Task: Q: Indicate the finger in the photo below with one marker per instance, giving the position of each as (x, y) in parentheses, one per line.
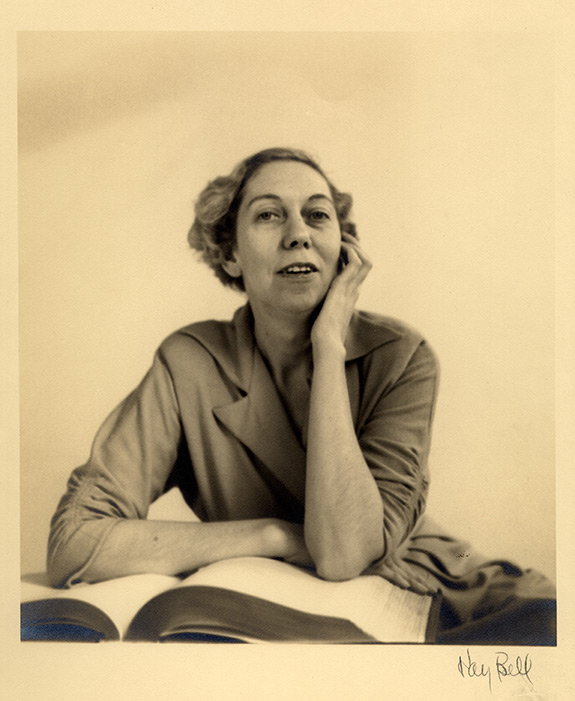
(358, 267)
(415, 581)
(353, 250)
(395, 577)
(353, 241)
(419, 587)
(418, 584)
(349, 257)
(354, 254)
(349, 237)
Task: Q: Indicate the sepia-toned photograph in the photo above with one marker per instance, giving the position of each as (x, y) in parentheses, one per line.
(287, 338)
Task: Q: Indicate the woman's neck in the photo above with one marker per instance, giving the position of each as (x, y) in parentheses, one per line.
(283, 341)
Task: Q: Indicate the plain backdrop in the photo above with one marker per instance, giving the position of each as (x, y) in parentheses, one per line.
(445, 142)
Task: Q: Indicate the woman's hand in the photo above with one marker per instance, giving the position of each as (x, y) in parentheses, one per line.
(332, 323)
(399, 573)
(288, 543)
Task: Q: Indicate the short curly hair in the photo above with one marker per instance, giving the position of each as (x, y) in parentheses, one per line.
(213, 233)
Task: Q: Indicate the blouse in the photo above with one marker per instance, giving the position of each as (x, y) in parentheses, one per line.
(208, 418)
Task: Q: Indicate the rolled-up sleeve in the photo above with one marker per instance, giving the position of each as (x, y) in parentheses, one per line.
(130, 462)
(395, 436)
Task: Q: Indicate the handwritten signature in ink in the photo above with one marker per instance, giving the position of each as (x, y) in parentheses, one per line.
(469, 668)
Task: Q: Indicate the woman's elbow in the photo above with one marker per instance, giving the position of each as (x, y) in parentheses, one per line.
(343, 567)
(66, 557)
(337, 572)
(71, 547)
(59, 569)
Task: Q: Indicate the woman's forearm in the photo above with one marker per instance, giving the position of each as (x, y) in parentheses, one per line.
(135, 546)
(344, 511)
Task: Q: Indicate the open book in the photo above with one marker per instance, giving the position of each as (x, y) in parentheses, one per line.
(247, 599)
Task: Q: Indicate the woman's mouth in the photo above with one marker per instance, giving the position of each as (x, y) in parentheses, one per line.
(297, 269)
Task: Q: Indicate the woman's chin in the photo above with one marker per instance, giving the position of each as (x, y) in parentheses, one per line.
(291, 307)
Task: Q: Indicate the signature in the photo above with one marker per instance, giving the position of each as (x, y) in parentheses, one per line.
(520, 667)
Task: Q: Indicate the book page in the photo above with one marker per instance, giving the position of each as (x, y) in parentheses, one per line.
(379, 608)
(119, 598)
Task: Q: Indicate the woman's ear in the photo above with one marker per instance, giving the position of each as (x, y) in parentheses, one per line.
(232, 267)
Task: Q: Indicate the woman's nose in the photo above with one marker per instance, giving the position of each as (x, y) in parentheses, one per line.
(296, 234)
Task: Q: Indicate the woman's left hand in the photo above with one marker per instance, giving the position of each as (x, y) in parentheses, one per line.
(332, 323)
(400, 574)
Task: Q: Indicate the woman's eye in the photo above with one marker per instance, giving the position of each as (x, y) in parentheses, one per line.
(319, 215)
(267, 216)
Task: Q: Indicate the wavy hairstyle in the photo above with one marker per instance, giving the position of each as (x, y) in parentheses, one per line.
(213, 233)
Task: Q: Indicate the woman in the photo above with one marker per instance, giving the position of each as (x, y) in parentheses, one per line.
(299, 430)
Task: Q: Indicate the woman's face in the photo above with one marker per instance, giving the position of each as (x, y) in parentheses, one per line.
(288, 239)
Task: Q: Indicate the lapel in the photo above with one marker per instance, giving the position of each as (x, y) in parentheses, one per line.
(258, 418)
(260, 422)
